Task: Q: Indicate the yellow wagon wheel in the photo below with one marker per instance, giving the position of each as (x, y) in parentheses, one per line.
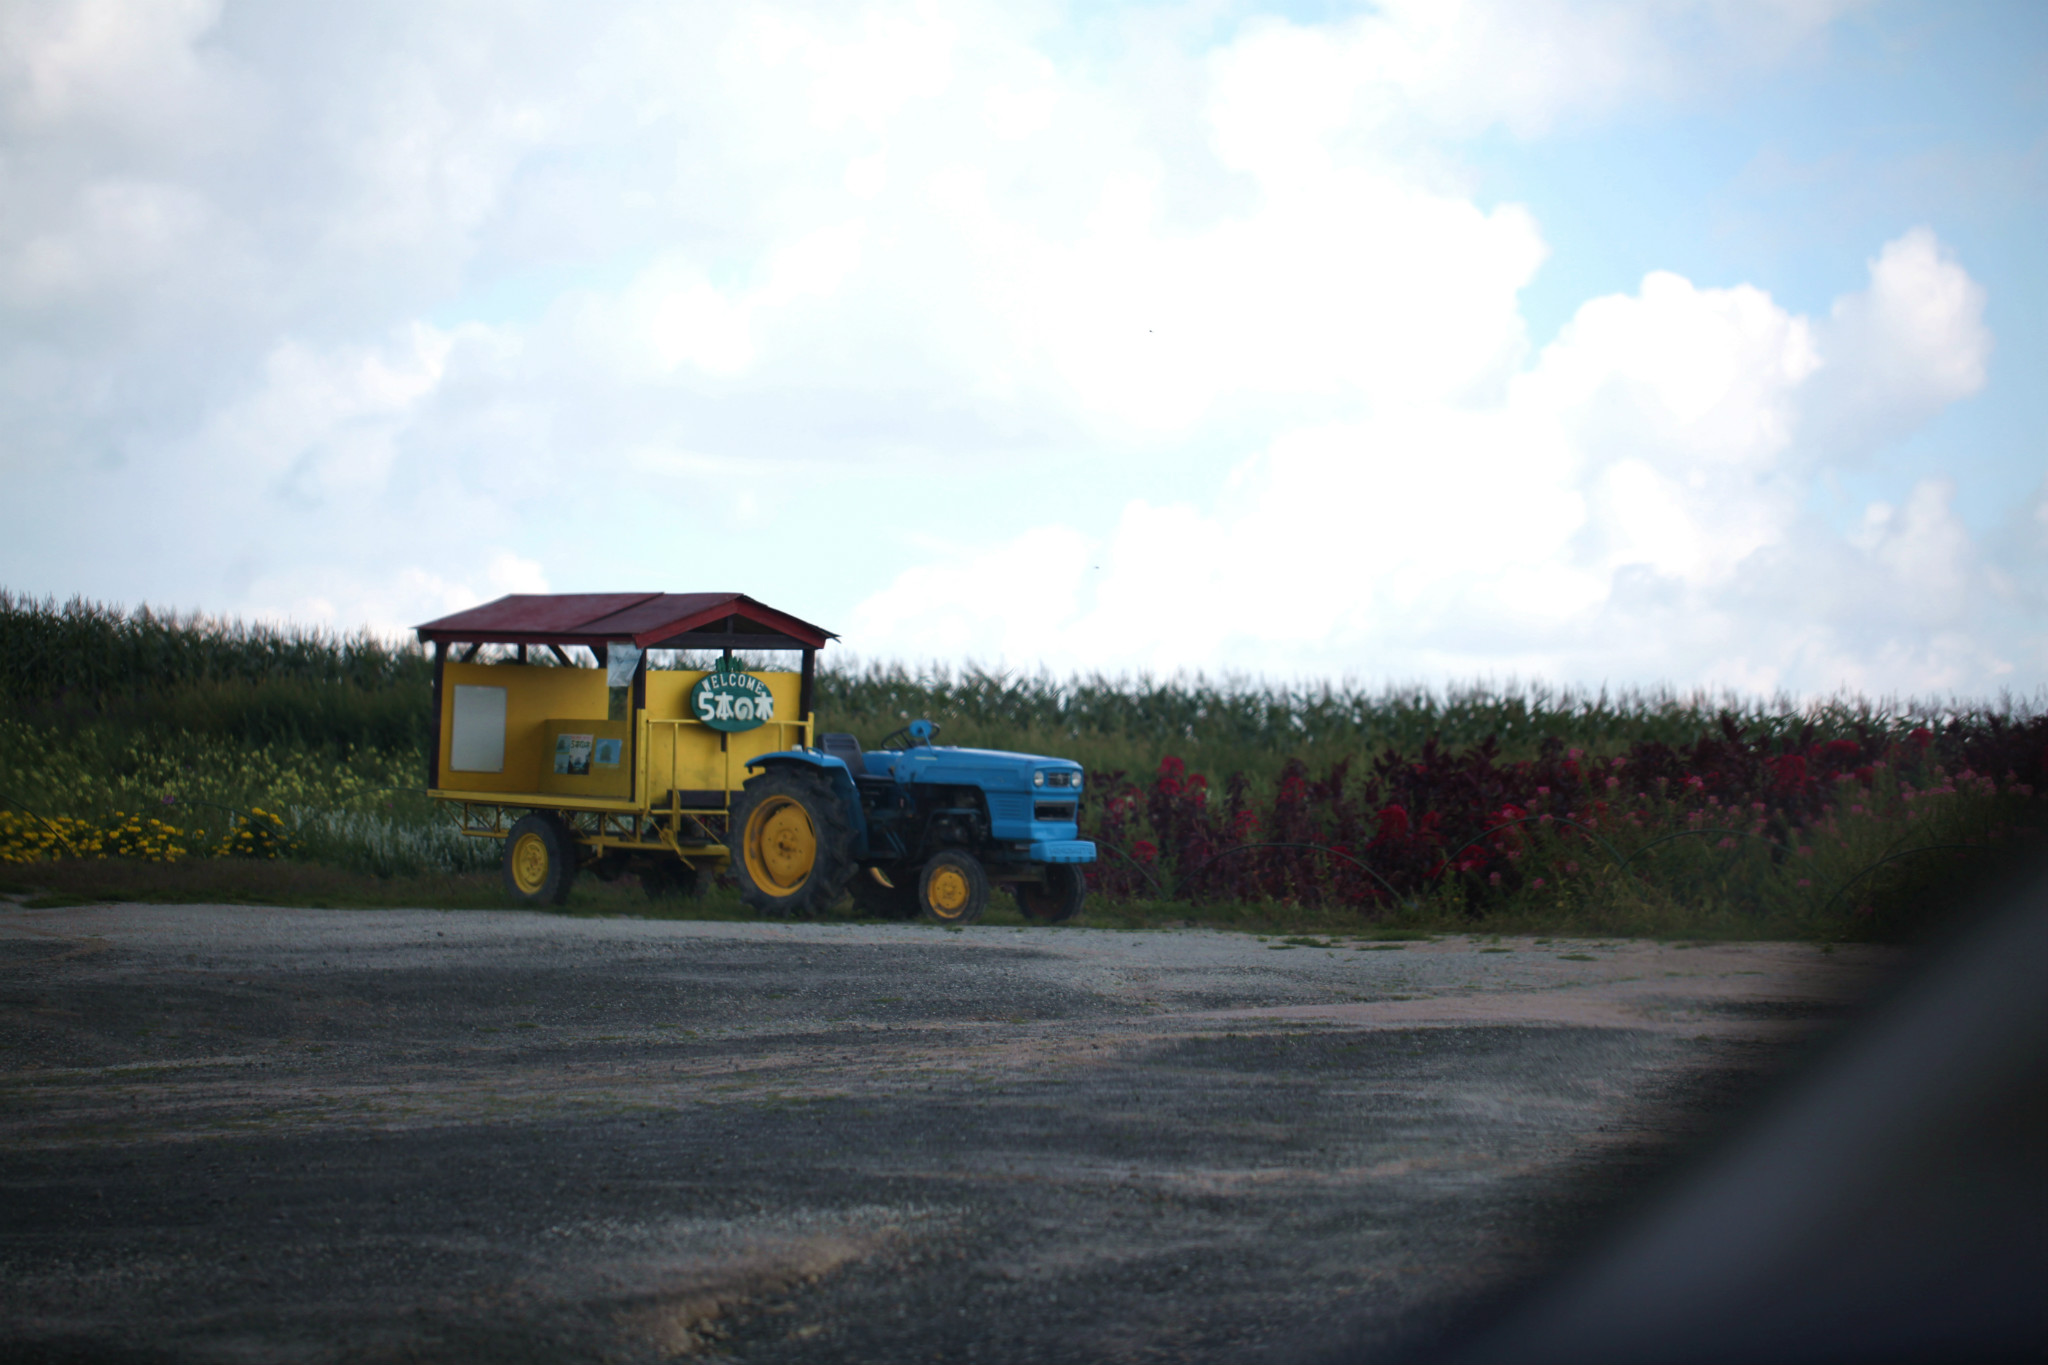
(540, 860)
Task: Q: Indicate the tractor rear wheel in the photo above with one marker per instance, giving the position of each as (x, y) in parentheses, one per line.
(540, 860)
(1054, 900)
(952, 889)
(792, 848)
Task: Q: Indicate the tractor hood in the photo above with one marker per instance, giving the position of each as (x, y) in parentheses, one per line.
(989, 769)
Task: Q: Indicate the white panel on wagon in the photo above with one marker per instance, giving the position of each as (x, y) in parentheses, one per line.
(478, 744)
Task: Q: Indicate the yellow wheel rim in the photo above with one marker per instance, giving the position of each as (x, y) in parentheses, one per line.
(530, 863)
(781, 846)
(947, 892)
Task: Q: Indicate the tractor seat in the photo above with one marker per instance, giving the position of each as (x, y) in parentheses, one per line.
(845, 748)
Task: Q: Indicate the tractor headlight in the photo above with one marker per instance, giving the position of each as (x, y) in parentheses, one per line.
(1038, 778)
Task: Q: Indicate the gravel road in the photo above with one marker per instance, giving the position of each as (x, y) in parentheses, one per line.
(236, 1134)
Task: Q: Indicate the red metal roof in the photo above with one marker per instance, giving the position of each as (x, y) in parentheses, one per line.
(648, 619)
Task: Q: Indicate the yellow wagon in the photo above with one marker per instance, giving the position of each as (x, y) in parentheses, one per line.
(567, 746)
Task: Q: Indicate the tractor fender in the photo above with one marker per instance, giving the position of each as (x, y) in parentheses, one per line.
(835, 771)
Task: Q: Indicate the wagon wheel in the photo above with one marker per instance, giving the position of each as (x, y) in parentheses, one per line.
(540, 860)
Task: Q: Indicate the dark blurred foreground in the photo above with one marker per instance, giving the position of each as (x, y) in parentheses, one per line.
(1890, 1206)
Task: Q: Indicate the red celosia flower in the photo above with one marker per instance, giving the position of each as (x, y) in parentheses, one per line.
(1393, 824)
(1145, 851)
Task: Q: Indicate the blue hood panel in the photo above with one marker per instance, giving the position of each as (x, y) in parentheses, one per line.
(988, 769)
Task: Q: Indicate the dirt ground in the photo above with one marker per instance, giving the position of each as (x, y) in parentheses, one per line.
(236, 1134)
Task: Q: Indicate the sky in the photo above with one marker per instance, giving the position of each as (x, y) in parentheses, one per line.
(1686, 343)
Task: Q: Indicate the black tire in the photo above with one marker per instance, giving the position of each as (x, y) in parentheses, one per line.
(540, 860)
(883, 899)
(1055, 899)
(670, 879)
(792, 847)
(952, 888)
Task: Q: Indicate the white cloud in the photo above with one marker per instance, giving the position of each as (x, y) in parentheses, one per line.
(1631, 509)
(1462, 66)
(940, 610)
(131, 66)
(1901, 350)
(326, 422)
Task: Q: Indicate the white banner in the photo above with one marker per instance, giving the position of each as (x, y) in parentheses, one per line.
(620, 661)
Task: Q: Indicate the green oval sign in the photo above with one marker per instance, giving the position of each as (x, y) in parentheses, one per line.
(731, 700)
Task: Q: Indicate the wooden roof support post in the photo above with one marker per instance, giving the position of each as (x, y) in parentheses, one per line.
(806, 697)
(635, 710)
(434, 726)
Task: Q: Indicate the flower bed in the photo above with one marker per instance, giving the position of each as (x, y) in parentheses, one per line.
(1792, 819)
(26, 837)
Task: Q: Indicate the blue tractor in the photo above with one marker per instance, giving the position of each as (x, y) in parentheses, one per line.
(912, 829)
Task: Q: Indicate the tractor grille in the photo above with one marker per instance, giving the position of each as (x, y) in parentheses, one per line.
(1005, 807)
(1053, 810)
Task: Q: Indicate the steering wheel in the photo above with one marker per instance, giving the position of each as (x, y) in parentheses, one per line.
(917, 735)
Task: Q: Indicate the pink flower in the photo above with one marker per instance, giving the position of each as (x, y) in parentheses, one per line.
(1494, 879)
(1538, 883)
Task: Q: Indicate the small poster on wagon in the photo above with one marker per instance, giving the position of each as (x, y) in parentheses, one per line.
(572, 754)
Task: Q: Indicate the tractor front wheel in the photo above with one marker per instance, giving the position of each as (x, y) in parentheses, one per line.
(952, 889)
(540, 860)
(792, 847)
(1054, 900)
